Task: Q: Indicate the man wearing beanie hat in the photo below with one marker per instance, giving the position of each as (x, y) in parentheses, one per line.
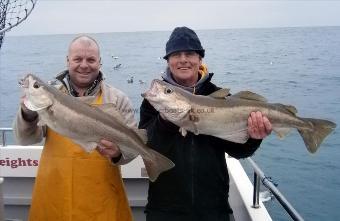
(197, 187)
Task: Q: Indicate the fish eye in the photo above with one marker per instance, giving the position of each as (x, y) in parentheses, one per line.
(36, 85)
(168, 91)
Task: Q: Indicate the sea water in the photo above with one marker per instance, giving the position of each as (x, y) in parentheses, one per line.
(296, 66)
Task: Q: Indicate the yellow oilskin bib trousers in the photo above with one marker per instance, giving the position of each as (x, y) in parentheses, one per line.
(73, 185)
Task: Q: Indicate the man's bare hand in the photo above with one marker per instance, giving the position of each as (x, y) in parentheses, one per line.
(259, 126)
(108, 149)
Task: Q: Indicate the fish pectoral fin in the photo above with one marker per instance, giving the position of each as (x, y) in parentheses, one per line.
(248, 95)
(240, 136)
(195, 129)
(41, 123)
(221, 94)
(183, 131)
(281, 132)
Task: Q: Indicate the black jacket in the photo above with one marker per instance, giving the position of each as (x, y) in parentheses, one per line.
(199, 181)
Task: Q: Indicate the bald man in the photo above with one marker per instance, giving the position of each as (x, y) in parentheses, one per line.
(72, 184)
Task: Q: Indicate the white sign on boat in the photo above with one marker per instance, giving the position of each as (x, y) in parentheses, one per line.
(23, 161)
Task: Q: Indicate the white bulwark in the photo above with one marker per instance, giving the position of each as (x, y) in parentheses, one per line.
(19, 164)
(23, 161)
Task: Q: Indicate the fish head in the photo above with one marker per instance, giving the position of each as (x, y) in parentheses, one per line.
(167, 100)
(36, 96)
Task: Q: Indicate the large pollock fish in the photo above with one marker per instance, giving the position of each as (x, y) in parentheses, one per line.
(226, 117)
(86, 125)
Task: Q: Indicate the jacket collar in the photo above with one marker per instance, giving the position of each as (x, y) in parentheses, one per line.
(205, 78)
(64, 78)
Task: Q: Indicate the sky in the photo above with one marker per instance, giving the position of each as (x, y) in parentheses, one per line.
(73, 16)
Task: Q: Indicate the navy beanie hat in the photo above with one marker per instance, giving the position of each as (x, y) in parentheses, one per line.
(183, 39)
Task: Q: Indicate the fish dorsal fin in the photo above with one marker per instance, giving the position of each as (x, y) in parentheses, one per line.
(141, 134)
(222, 93)
(248, 95)
(86, 99)
(289, 108)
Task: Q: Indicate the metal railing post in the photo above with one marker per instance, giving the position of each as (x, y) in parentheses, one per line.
(3, 135)
(272, 188)
(256, 192)
(3, 138)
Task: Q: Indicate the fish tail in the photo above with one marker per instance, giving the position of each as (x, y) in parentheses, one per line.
(156, 164)
(316, 132)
